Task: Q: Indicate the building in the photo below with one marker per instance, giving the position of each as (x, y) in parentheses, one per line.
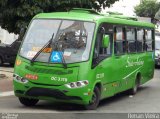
(6, 37)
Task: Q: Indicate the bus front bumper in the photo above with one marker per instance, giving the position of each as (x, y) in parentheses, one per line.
(56, 93)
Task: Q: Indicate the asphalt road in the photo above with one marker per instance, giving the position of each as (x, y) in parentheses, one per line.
(146, 100)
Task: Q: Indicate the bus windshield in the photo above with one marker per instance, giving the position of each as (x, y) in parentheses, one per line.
(70, 40)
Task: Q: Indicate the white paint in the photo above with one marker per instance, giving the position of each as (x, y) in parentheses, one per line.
(99, 76)
(132, 73)
(131, 96)
(59, 79)
(131, 63)
(4, 94)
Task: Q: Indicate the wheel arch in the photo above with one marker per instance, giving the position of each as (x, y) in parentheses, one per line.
(138, 77)
(98, 84)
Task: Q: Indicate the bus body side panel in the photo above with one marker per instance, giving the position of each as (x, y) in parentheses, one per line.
(148, 69)
(105, 71)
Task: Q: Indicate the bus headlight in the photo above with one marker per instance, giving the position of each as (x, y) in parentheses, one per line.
(77, 84)
(20, 79)
(24, 80)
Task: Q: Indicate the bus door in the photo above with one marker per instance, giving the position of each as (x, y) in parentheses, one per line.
(102, 62)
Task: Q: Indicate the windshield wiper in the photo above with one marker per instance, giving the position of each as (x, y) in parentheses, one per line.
(37, 54)
(63, 59)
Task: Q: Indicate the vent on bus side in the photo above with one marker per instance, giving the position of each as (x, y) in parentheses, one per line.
(48, 71)
(82, 10)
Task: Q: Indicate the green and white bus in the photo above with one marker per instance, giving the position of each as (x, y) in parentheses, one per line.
(82, 57)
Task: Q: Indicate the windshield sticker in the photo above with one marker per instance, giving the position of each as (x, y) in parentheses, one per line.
(36, 49)
(47, 50)
(67, 54)
(56, 56)
(31, 54)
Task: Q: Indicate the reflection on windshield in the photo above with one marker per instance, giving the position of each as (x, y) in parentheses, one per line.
(39, 33)
(72, 39)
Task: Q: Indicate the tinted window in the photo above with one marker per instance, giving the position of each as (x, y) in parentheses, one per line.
(130, 33)
(157, 42)
(119, 33)
(140, 40)
(102, 52)
(119, 41)
(149, 40)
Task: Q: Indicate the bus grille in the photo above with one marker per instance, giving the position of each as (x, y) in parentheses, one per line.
(35, 91)
(48, 71)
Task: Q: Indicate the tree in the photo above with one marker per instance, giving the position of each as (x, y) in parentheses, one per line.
(147, 8)
(16, 14)
(157, 16)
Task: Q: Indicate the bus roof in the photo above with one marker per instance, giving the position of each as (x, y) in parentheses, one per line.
(91, 15)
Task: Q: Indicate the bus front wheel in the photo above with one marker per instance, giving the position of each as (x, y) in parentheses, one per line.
(1, 61)
(95, 100)
(28, 102)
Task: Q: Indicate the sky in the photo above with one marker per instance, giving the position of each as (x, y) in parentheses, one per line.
(123, 6)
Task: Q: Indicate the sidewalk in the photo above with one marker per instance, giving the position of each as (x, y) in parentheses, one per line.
(6, 78)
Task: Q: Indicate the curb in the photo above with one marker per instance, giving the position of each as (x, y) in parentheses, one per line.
(7, 71)
(8, 93)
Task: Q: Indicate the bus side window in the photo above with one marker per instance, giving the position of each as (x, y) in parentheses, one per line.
(148, 40)
(104, 52)
(119, 41)
(140, 40)
(101, 53)
(131, 40)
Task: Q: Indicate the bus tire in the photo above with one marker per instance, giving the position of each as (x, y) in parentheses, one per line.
(134, 90)
(28, 102)
(12, 64)
(1, 61)
(95, 99)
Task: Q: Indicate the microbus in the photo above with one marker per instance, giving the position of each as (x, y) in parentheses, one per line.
(82, 57)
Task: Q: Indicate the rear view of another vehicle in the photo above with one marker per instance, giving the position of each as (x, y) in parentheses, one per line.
(8, 53)
(157, 50)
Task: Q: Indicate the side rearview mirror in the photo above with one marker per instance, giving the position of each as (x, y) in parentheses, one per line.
(105, 41)
(22, 32)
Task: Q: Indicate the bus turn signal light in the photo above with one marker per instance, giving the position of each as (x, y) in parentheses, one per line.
(18, 62)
